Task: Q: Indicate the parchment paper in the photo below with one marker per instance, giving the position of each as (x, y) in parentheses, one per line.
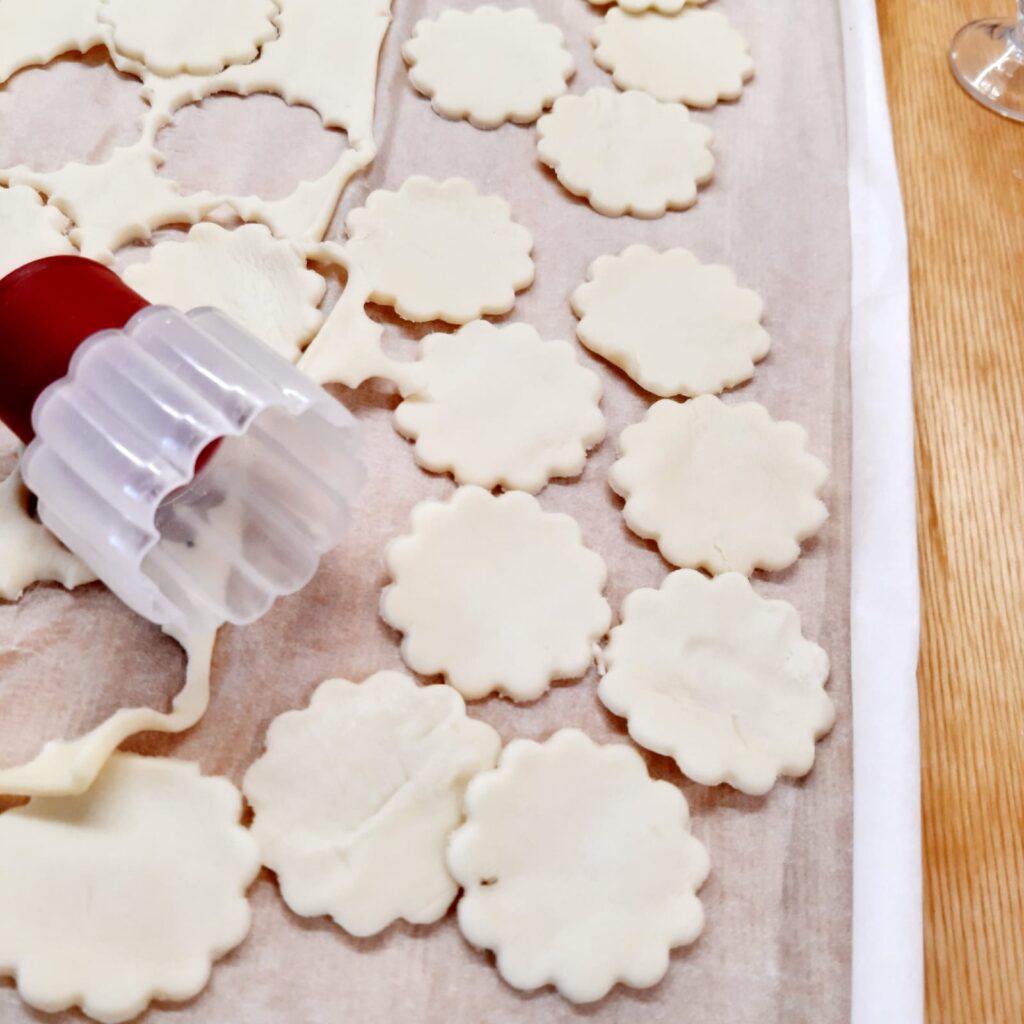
(777, 943)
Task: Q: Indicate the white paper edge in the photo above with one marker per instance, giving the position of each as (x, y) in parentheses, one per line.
(888, 967)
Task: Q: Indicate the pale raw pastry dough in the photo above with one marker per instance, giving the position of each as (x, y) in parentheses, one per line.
(580, 871)
(709, 673)
(259, 280)
(675, 325)
(347, 349)
(192, 36)
(695, 57)
(69, 767)
(496, 594)
(489, 66)
(29, 229)
(29, 553)
(127, 893)
(356, 795)
(33, 32)
(497, 406)
(325, 56)
(664, 6)
(719, 487)
(626, 152)
(440, 250)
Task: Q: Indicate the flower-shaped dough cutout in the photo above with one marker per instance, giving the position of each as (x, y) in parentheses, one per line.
(673, 324)
(489, 66)
(580, 870)
(695, 57)
(626, 152)
(719, 487)
(260, 281)
(356, 795)
(29, 228)
(126, 893)
(495, 594)
(29, 553)
(663, 6)
(440, 251)
(710, 673)
(192, 36)
(497, 406)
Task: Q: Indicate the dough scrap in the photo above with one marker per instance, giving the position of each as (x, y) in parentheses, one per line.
(719, 678)
(127, 893)
(191, 36)
(663, 6)
(325, 56)
(626, 152)
(34, 32)
(695, 57)
(489, 66)
(674, 325)
(580, 871)
(719, 487)
(356, 795)
(440, 250)
(259, 280)
(495, 594)
(69, 767)
(29, 229)
(497, 406)
(29, 553)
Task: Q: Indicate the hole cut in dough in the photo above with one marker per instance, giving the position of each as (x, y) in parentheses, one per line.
(489, 66)
(625, 152)
(719, 487)
(194, 37)
(29, 230)
(440, 250)
(356, 795)
(497, 406)
(579, 870)
(496, 594)
(695, 57)
(127, 893)
(674, 325)
(709, 673)
(32, 33)
(114, 101)
(247, 146)
(260, 281)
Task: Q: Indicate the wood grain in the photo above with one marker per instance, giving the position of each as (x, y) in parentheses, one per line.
(963, 179)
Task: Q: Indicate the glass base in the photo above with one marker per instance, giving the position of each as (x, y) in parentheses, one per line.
(987, 58)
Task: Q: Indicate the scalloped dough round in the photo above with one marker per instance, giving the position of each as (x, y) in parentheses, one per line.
(259, 280)
(497, 406)
(580, 870)
(663, 6)
(29, 228)
(496, 594)
(196, 37)
(719, 487)
(126, 893)
(674, 325)
(708, 672)
(356, 795)
(695, 57)
(625, 152)
(440, 250)
(489, 66)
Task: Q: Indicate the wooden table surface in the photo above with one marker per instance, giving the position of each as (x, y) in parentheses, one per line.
(962, 170)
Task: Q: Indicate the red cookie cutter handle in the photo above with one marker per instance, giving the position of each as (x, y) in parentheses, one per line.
(47, 309)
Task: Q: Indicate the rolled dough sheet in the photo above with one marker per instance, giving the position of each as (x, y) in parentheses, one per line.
(776, 948)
